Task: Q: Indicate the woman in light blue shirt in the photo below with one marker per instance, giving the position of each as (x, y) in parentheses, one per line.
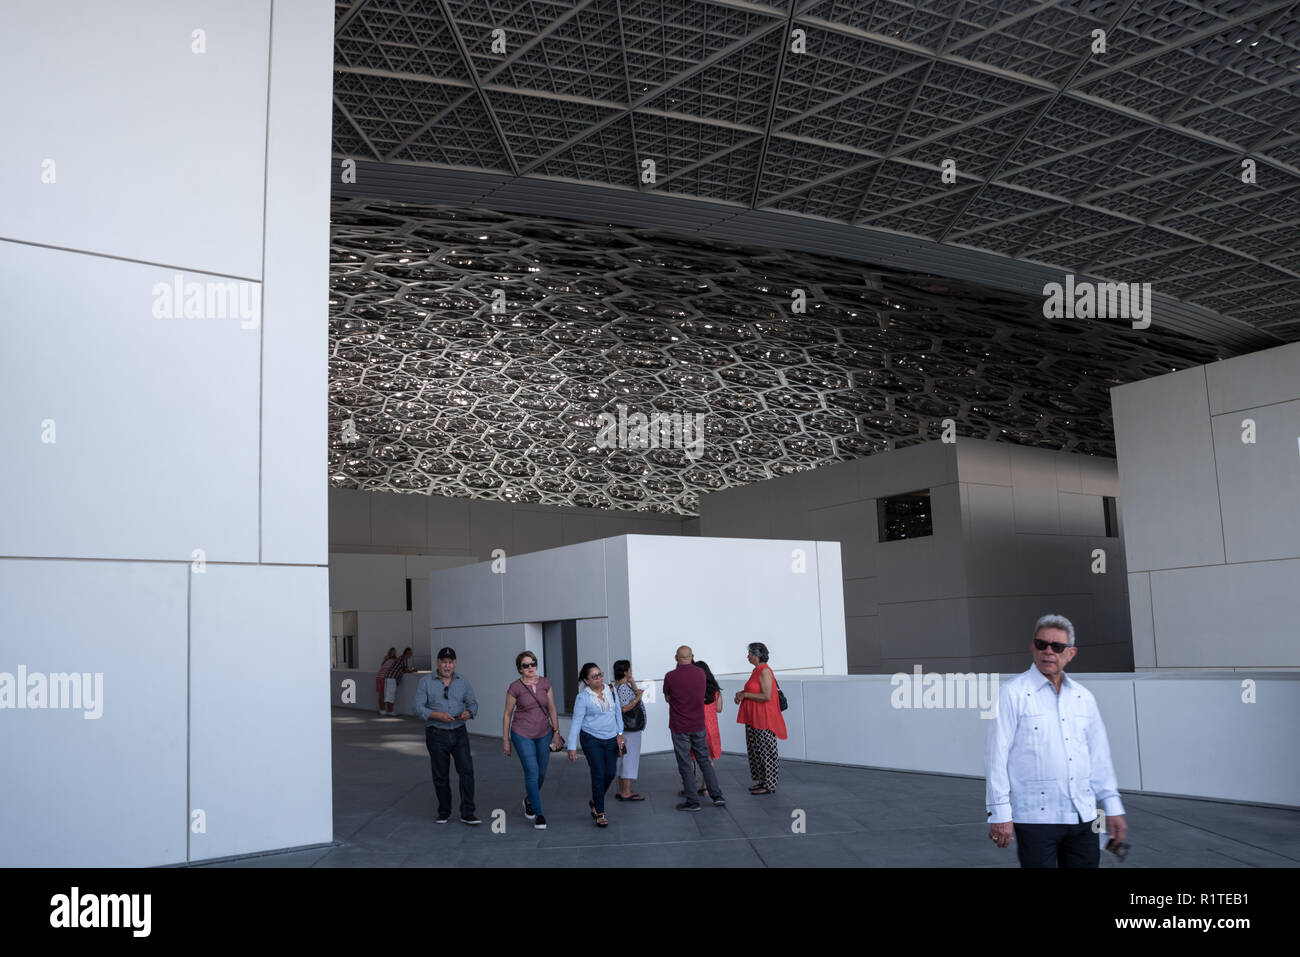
(598, 727)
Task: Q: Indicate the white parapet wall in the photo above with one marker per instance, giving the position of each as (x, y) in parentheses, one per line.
(1209, 734)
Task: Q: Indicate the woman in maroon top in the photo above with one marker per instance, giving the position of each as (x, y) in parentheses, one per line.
(529, 722)
(760, 713)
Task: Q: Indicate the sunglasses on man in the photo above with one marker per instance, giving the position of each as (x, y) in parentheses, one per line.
(1056, 646)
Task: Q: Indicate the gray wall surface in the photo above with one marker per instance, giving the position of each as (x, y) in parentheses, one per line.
(377, 540)
(396, 524)
(171, 516)
(1213, 530)
(1014, 531)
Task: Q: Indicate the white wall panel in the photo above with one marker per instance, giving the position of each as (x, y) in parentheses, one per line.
(1200, 737)
(485, 656)
(295, 333)
(830, 594)
(723, 594)
(1228, 616)
(159, 151)
(1144, 636)
(261, 773)
(107, 791)
(1166, 467)
(1259, 483)
(152, 455)
(467, 595)
(1249, 381)
(566, 582)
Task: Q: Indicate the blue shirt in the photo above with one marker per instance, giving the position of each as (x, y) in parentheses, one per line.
(432, 695)
(588, 717)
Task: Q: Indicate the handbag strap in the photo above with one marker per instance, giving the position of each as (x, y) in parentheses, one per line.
(545, 711)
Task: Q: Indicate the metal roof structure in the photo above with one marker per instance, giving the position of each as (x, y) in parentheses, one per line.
(1171, 157)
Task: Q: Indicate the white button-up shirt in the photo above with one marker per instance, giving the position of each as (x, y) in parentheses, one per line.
(1047, 759)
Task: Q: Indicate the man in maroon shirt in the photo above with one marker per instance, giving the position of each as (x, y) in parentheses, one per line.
(684, 692)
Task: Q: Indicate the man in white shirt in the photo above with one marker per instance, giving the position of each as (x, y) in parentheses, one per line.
(1047, 760)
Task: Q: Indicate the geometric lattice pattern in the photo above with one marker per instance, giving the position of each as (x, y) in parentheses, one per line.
(1124, 164)
(432, 391)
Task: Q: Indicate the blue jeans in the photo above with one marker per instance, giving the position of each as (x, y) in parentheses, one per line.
(534, 755)
(602, 758)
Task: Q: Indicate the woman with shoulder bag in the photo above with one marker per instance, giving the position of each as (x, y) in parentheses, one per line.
(760, 713)
(528, 727)
(598, 727)
(634, 721)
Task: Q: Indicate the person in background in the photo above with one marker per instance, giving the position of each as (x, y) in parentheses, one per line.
(396, 668)
(527, 727)
(760, 713)
(445, 701)
(712, 708)
(684, 692)
(634, 720)
(381, 675)
(598, 727)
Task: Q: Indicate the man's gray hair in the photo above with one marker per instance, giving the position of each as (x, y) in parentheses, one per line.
(1055, 621)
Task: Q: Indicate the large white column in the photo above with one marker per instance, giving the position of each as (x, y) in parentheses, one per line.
(163, 342)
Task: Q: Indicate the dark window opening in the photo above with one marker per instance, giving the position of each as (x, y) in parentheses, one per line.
(905, 516)
(1112, 516)
(408, 594)
(560, 661)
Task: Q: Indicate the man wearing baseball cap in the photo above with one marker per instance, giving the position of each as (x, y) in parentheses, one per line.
(445, 701)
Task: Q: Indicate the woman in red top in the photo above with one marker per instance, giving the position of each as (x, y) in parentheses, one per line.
(760, 713)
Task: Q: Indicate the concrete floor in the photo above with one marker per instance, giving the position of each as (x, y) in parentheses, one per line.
(384, 808)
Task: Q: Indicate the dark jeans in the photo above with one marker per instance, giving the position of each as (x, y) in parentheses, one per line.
(684, 745)
(1057, 845)
(534, 755)
(602, 758)
(443, 747)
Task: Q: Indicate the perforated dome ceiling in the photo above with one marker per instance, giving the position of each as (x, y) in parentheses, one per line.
(432, 391)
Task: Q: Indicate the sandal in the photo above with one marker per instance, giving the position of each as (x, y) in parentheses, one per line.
(761, 790)
(600, 821)
(630, 797)
(591, 805)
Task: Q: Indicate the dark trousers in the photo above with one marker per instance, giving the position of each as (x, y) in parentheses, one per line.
(697, 743)
(1057, 845)
(445, 746)
(602, 759)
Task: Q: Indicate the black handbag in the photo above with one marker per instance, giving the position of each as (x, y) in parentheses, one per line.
(780, 697)
(634, 720)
